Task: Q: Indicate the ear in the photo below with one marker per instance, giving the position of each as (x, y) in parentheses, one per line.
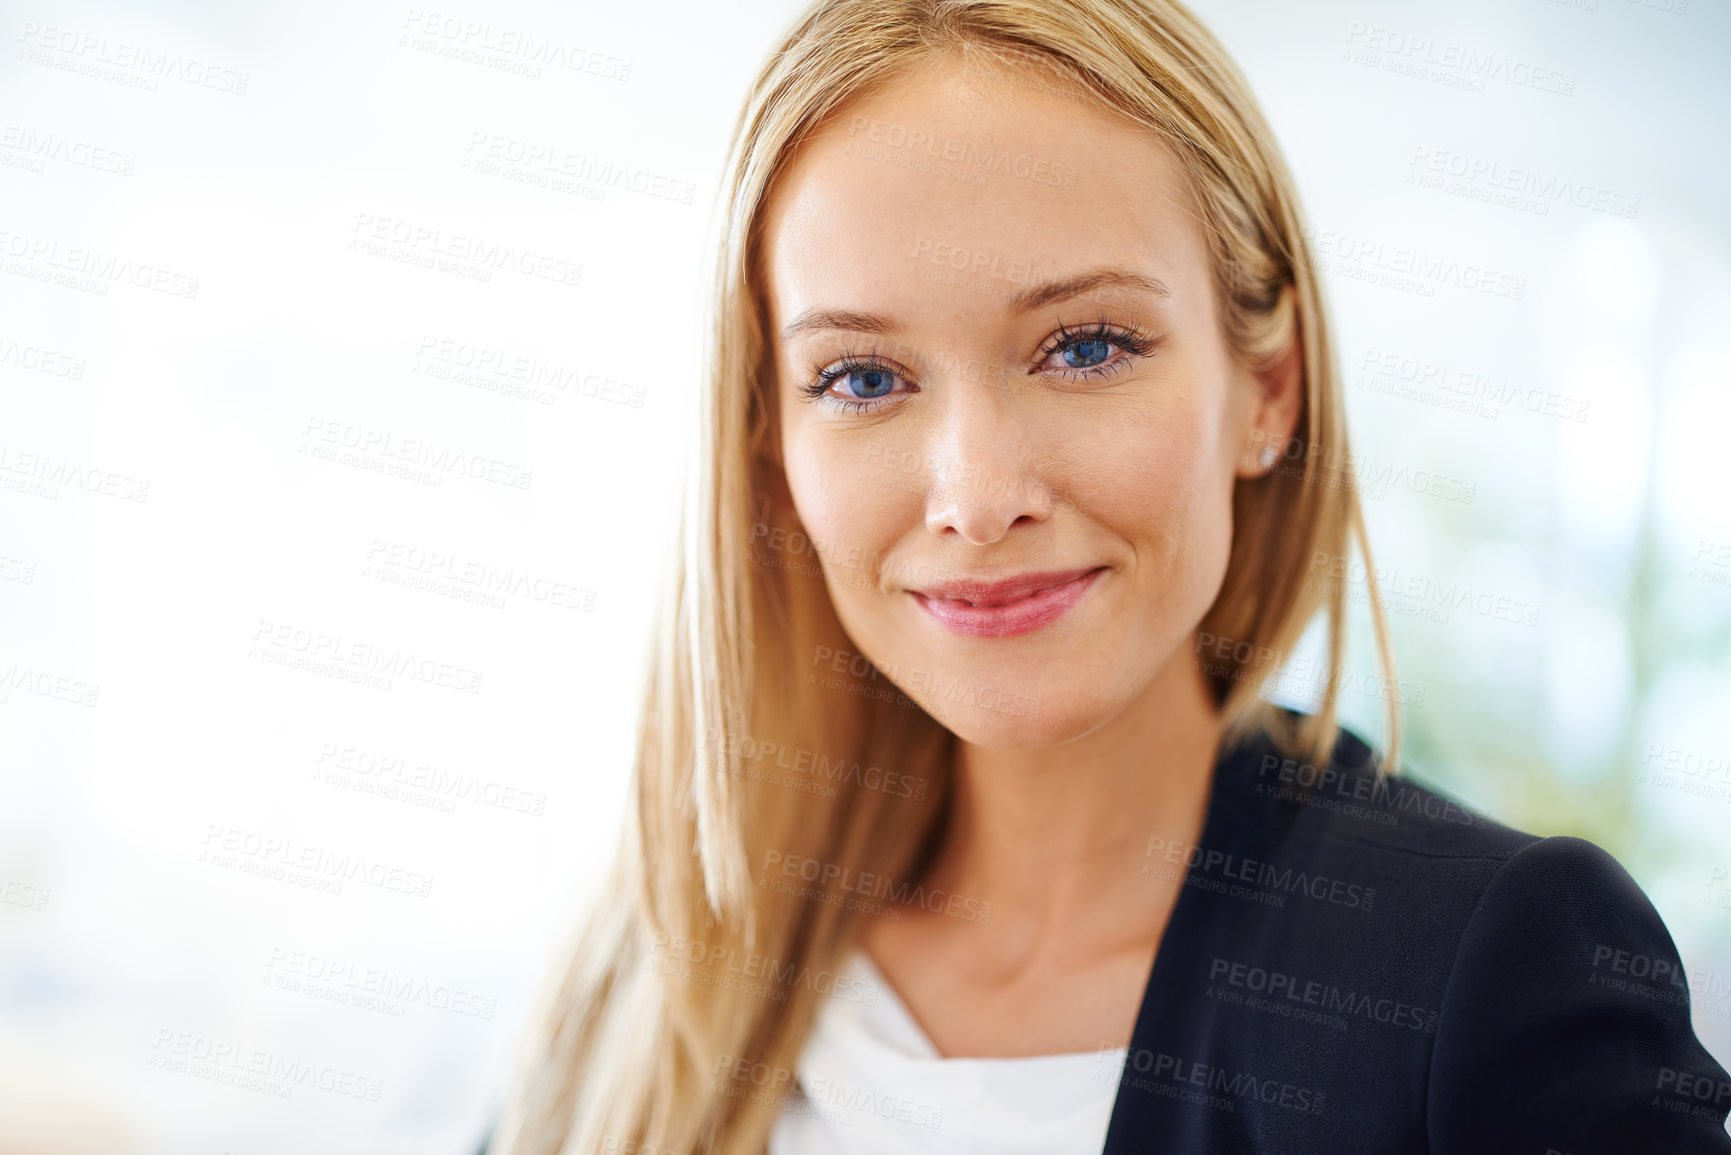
(1279, 396)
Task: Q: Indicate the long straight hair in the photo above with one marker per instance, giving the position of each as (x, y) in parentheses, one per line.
(675, 1019)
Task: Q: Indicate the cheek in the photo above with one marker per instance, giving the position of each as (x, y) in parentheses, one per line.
(1154, 479)
(853, 503)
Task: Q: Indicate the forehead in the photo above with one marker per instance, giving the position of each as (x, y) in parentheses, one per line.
(958, 174)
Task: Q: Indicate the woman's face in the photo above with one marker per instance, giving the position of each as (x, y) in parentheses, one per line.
(1015, 377)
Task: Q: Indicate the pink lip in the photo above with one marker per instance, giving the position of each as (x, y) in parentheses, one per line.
(1017, 605)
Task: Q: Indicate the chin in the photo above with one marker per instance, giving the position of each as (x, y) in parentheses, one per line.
(1020, 719)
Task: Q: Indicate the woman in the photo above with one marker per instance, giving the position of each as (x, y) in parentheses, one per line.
(961, 820)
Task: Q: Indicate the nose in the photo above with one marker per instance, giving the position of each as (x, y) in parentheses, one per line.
(983, 467)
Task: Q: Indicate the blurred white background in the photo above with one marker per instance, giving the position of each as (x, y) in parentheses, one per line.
(260, 259)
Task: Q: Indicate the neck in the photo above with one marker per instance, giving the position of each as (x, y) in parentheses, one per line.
(1055, 837)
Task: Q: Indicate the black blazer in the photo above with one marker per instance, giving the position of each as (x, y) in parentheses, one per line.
(1362, 970)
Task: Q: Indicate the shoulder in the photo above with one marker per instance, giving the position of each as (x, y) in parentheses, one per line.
(1562, 1016)
(1426, 856)
(1440, 858)
(1566, 1018)
(1346, 801)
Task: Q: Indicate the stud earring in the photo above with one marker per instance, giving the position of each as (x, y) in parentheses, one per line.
(1268, 455)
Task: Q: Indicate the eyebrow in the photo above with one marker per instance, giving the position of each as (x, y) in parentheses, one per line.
(1033, 297)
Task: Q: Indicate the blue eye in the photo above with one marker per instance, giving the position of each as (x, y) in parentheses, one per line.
(1084, 354)
(872, 382)
(1087, 352)
(866, 383)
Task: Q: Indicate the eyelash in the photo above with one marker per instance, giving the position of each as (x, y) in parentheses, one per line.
(1132, 341)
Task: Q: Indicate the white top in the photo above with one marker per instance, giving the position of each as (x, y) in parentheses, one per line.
(871, 1083)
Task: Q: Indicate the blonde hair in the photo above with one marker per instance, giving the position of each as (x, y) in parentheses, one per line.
(690, 968)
